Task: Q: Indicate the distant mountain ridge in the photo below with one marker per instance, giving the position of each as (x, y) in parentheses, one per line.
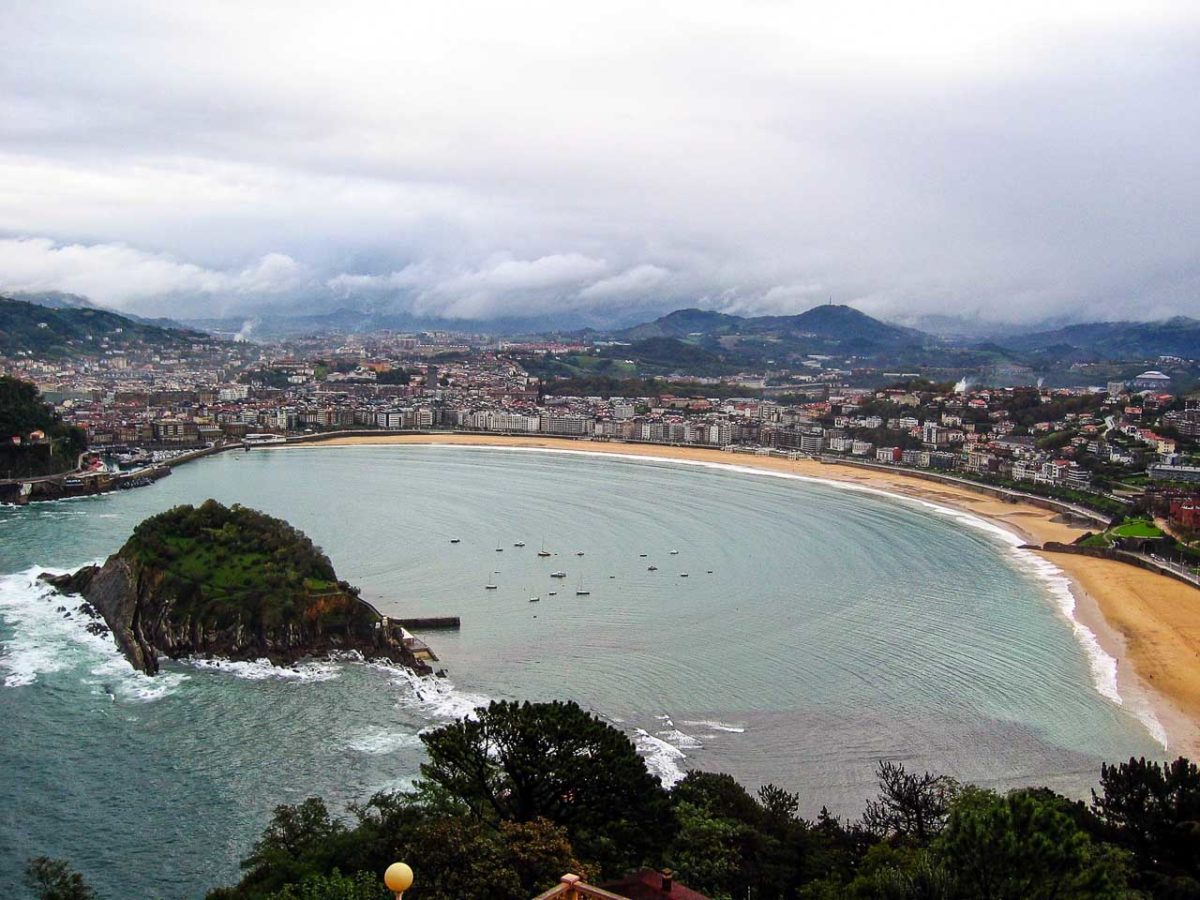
(1179, 336)
(838, 323)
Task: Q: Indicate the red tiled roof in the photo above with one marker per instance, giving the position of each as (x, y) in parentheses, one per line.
(647, 885)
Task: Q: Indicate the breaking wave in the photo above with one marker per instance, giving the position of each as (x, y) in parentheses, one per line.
(49, 634)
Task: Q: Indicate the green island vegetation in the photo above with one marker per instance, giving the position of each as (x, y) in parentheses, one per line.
(224, 564)
(524, 792)
(23, 415)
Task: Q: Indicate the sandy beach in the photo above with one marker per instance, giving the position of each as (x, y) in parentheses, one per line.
(1149, 623)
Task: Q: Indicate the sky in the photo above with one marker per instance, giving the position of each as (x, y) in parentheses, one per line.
(1004, 162)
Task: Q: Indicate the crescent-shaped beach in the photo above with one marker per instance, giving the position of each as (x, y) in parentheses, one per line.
(1148, 623)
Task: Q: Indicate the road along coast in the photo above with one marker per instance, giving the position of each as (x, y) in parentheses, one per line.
(1147, 623)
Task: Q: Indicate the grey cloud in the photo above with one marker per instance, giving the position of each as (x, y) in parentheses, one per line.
(477, 160)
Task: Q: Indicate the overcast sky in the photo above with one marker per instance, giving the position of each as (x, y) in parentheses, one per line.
(1007, 161)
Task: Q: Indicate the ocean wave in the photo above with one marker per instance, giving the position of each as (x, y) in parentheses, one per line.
(379, 741)
(45, 640)
(436, 697)
(663, 759)
(264, 669)
(401, 785)
(714, 726)
(676, 738)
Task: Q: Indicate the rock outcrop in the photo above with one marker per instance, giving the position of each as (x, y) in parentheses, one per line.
(151, 612)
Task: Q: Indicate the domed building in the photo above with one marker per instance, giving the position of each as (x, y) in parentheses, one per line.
(1152, 381)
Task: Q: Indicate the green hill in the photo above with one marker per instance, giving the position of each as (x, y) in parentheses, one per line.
(1179, 336)
(739, 342)
(43, 331)
(232, 582)
(22, 416)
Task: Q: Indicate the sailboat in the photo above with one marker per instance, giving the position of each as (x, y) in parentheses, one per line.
(491, 585)
(543, 551)
(533, 599)
(581, 591)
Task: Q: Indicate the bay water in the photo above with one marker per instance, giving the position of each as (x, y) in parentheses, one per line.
(793, 632)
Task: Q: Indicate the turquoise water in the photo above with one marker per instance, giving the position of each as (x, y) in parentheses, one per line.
(836, 628)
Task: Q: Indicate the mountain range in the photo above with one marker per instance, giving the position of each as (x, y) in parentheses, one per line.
(844, 331)
(51, 321)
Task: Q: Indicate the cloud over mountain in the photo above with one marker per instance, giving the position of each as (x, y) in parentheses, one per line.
(477, 160)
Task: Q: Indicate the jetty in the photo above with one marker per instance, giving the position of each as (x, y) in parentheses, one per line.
(398, 630)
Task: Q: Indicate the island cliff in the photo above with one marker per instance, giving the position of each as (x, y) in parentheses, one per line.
(229, 582)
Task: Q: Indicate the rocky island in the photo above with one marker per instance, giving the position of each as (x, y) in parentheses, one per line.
(232, 582)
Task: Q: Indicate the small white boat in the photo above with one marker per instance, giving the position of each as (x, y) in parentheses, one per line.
(534, 599)
(553, 593)
(519, 544)
(674, 552)
(651, 568)
(683, 575)
(456, 540)
(579, 553)
(558, 574)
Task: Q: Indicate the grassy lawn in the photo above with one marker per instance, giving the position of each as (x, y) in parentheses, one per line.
(1137, 529)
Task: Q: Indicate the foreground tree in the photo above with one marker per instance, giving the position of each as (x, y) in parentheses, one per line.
(909, 805)
(336, 886)
(53, 879)
(1027, 845)
(518, 762)
(1153, 810)
(295, 845)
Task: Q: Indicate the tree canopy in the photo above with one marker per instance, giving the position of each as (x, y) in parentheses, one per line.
(517, 762)
(525, 792)
(22, 412)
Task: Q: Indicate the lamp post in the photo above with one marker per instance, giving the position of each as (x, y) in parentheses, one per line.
(398, 878)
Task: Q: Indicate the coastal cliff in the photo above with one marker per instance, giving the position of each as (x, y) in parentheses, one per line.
(231, 582)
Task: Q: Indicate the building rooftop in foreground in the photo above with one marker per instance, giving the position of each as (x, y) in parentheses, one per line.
(647, 884)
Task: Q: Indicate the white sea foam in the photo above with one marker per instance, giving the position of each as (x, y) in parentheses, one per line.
(1102, 666)
(433, 696)
(402, 785)
(263, 669)
(378, 741)
(664, 760)
(715, 726)
(676, 738)
(45, 641)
